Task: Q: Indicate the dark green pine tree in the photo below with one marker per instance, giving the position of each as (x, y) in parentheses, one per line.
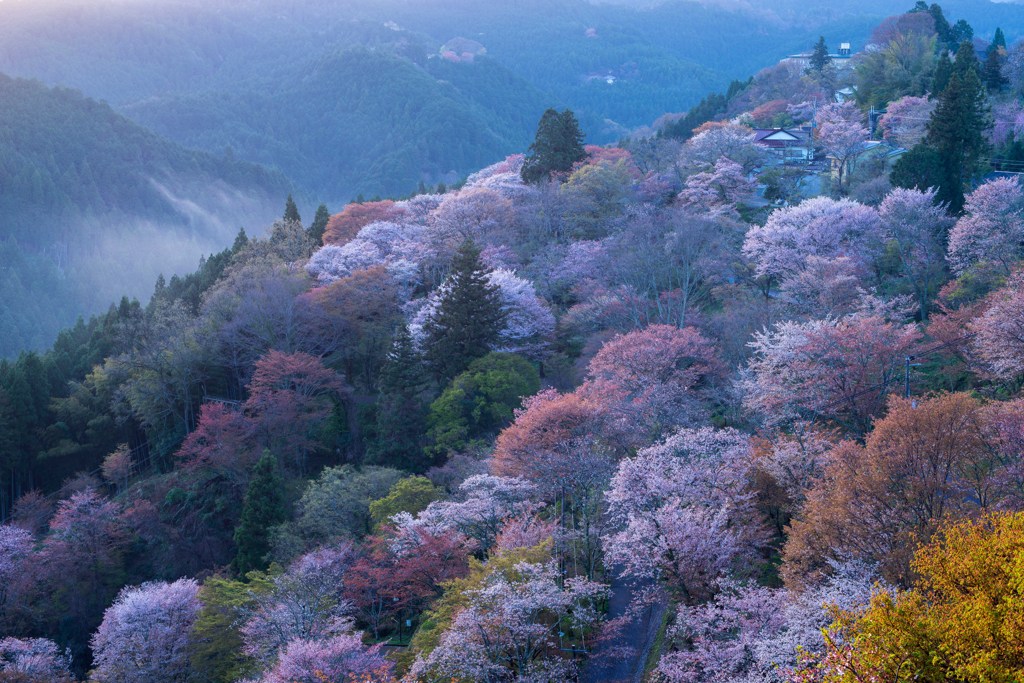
(557, 145)
(319, 224)
(241, 241)
(966, 60)
(943, 70)
(468, 319)
(942, 27)
(401, 408)
(820, 57)
(999, 41)
(291, 212)
(956, 133)
(920, 168)
(992, 71)
(262, 508)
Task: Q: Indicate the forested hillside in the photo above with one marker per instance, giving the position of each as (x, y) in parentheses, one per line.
(92, 207)
(703, 406)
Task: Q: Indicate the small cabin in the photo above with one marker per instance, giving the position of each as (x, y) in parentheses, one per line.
(789, 145)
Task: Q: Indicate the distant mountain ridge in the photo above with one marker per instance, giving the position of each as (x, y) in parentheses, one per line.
(93, 206)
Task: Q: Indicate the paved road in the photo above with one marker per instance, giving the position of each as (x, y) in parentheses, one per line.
(638, 636)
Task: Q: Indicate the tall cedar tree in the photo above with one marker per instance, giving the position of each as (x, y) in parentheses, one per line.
(820, 57)
(319, 224)
(557, 146)
(401, 408)
(943, 70)
(291, 212)
(992, 72)
(468, 319)
(262, 508)
(956, 129)
(998, 40)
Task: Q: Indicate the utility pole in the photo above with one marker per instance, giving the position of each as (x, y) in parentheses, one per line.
(906, 375)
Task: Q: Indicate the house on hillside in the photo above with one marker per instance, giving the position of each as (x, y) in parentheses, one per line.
(841, 59)
(788, 145)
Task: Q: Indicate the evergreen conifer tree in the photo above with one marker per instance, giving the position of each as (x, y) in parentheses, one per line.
(943, 70)
(241, 241)
(557, 145)
(992, 71)
(319, 224)
(262, 508)
(998, 40)
(956, 131)
(820, 58)
(401, 408)
(468, 319)
(291, 212)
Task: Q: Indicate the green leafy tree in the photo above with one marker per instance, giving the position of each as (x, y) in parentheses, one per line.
(956, 129)
(557, 146)
(468, 319)
(291, 212)
(319, 224)
(216, 648)
(337, 503)
(820, 57)
(262, 508)
(412, 495)
(401, 408)
(480, 401)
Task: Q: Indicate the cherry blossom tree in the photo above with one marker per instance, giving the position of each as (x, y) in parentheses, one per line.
(529, 323)
(145, 634)
(339, 659)
(485, 502)
(905, 121)
(34, 660)
(841, 133)
(15, 545)
(681, 511)
(736, 143)
(290, 394)
(718, 190)
(653, 377)
(999, 332)
(752, 633)
(306, 602)
(343, 227)
(917, 228)
(509, 629)
(991, 232)
(821, 227)
(836, 368)
(475, 213)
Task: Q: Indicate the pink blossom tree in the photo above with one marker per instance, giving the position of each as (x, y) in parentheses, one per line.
(837, 368)
(484, 504)
(991, 232)
(822, 227)
(34, 660)
(999, 332)
(15, 546)
(841, 133)
(305, 603)
(916, 226)
(509, 629)
(681, 511)
(145, 634)
(905, 121)
(653, 377)
(734, 142)
(339, 659)
(718, 190)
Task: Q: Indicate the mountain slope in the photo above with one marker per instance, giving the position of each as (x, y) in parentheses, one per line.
(92, 206)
